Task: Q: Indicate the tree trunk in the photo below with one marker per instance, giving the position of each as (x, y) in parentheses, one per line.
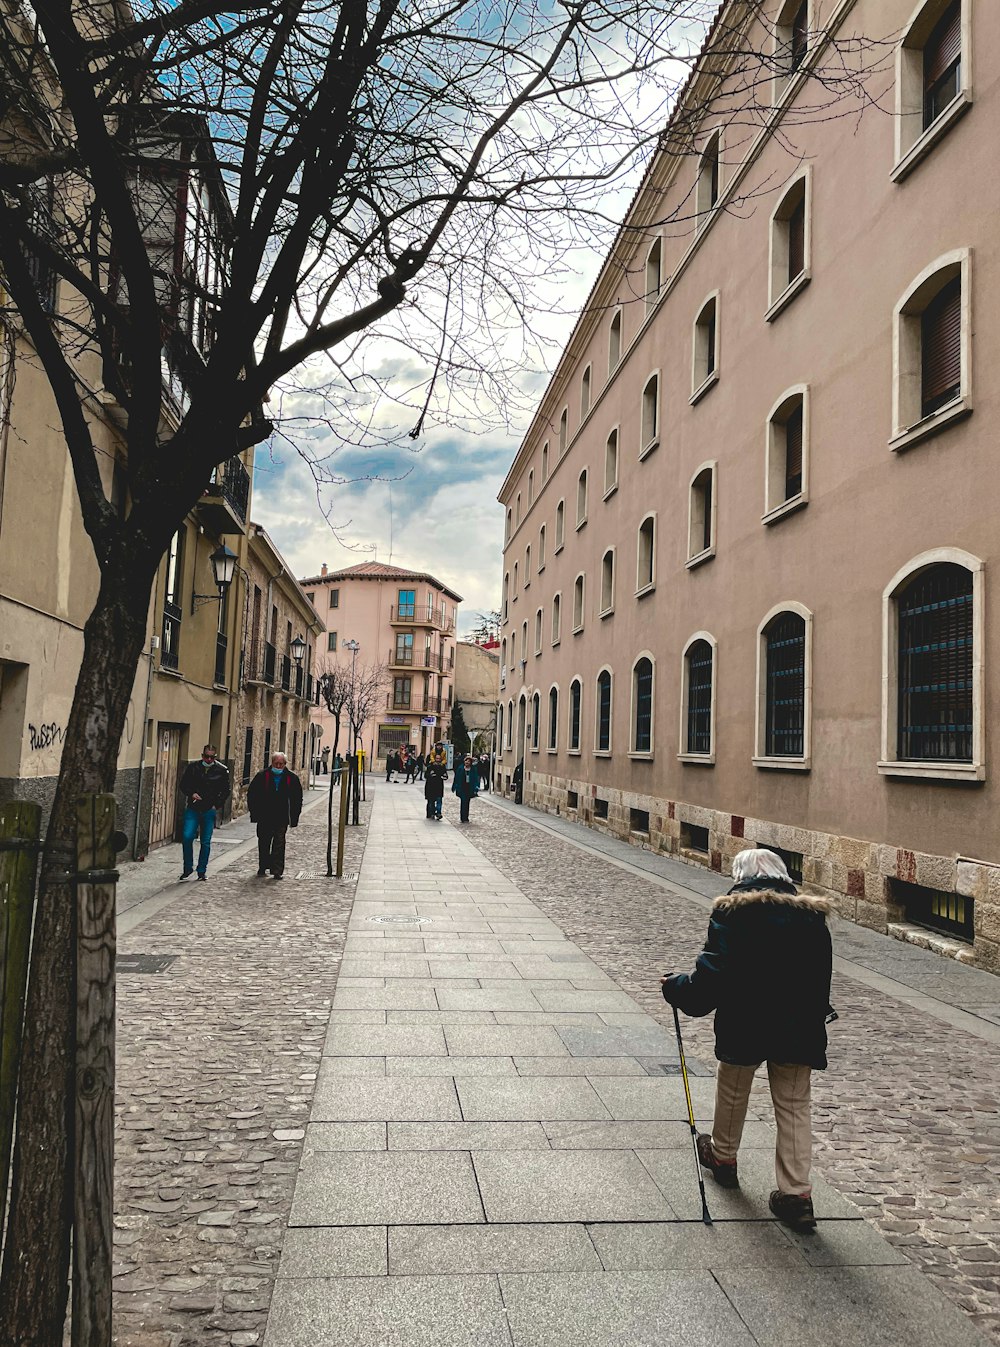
(34, 1281)
(329, 802)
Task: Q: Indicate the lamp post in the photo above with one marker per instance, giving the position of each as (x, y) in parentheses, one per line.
(353, 646)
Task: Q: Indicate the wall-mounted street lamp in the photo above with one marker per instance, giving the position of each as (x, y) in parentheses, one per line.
(223, 569)
(297, 649)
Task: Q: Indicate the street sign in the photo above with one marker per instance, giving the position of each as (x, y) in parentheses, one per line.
(428, 720)
(396, 720)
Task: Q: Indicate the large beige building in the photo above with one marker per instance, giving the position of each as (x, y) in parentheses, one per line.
(750, 532)
(404, 624)
(476, 670)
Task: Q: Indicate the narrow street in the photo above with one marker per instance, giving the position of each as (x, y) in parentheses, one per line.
(445, 1110)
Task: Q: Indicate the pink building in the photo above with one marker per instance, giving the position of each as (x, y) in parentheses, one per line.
(750, 530)
(404, 623)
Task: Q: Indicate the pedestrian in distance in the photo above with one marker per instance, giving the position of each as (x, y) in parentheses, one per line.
(205, 785)
(411, 768)
(517, 781)
(391, 765)
(338, 766)
(325, 756)
(484, 772)
(435, 775)
(421, 762)
(765, 971)
(275, 803)
(466, 785)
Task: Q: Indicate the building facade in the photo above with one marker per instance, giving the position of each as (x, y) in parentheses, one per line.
(404, 624)
(749, 534)
(477, 670)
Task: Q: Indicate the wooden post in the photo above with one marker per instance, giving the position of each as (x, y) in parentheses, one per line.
(93, 1178)
(20, 823)
(345, 778)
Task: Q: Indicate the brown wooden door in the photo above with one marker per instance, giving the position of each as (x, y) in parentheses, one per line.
(163, 823)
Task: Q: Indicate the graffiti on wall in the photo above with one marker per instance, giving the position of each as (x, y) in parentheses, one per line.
(45, 736)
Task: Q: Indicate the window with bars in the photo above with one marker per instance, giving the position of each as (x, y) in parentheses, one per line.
(943, 63)
(941, 348)
(553, 717)
(604, 711)
(934, 666)
(950, 913)
(699, 698)
(785, 675)
(642, 704)
(575, 707)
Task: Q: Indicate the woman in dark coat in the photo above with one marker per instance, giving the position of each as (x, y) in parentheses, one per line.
(765, 971)
(466, 785)
(435, 775)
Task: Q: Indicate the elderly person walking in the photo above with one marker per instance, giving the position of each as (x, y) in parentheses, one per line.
(274, 800)
(436, 774)
(765, 971)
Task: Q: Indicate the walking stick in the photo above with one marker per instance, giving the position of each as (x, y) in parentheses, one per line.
(694, 1131)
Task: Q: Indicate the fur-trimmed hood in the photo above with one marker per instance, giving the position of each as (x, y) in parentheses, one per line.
(806, 902)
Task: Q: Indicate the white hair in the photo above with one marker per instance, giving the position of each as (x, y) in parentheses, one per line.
(759, 863)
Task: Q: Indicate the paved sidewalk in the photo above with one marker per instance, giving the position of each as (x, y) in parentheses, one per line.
(497, 1151)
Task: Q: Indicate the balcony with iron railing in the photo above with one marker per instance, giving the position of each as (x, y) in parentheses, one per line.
(260, 664)
(225, 501)
(421, 615)
(414, 702)
(411, 657)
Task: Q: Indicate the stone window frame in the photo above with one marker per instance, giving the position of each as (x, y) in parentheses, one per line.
(524, 700)
(598, 751)
(782, 79)
(506, 594)
(606, 609)
(913, 142)
(704, 382)
(579, 608)
(888, 764)
(774, 454)
(615, 328)
(760, 758)
(527, 567)
(650, 296)
(555, 632)
(582, 498)
(703, 554)
(575, 682)
(649, 434)
(563, 431)
(545, 462)
(536, 720)
(711, 152)
(908, 426)
(586, 392)
(780, 290)
(643, 586)
(611, 487)
(531, 487)
(508, 525)
(644, 755)
(539, 627)
(698, 759)
(560, 527)
(510, 723)
(552, 738)
(541, 549)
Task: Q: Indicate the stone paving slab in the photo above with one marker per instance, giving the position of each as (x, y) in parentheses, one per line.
(673, 1173)
(658, 1100)
(385, 1188)
(661, 1246)
(488, 1041)
(450, 1066)
(617, 1136)
(528, 1100)
(491, 1248)
(395, 1100)
(568, 1186)
(578, 1066)
(342, 1251)
(389, 1040)
(641, 1040)
(486, 998)
(467, 1136)
(339, 1136)
(414, 997)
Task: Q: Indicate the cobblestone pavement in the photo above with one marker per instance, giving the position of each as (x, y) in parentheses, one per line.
(217, 1062)
(907, 1119)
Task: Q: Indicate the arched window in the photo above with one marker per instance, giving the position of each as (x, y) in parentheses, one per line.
(642, 706)
(556, 618)
(575, 713)
(563, 431)
(585, 393)
(650, 432)
(786, 482)
(645, 571)
(531, 486)
(783, 679)
(931, 368)
(506, 594)
(553, 719)
(541, 549)
(653, 275)
(560, 524)
(524, 642)
(581, 499)
(701, 515)
(513, 588)
(790, 245)
(517, 509)
(932, 84)
(503, 664)
(538, 632)
(608, 581)
(705, 349)
(615, 341)
(527, 566)
(698, 699)
(602, 738)
(506, 528)
(707, 190)
(578, 587)
(791, 43)
(934, 663)
(536, 715)
(611, 463)
(545, 461)
(510, 724)
(500, 723)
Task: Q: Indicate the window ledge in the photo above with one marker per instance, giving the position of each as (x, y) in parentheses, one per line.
(602, 752)
(557, 549)
(930, 425)
(534, 750)
(697, 759)
(174, 673)
(538, 652)
(783, 764)
(935, 771)
(606, 612)
(640, 757)
(646, 589)
(788, 294)
(552, 750)
(653, 444)
(556, 642)
(573, 752)
(700, 558)
(787, 507)
(704, 387)
(926, 141)
(578, 630)
(526, 585)
(541, 568)
(610, 491)
(580, 523)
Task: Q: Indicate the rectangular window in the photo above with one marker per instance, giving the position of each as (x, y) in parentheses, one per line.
(793, 860)
(404, 647)
(267, 748)
(793, 452)
(941, 348)
(248, 755)
(951, 913)
(334, 598)
(407, 603)
(401, 693)
(694, 838)
(600, 808)
(331, 641)
(572, 799)
(638, 820)
(797, 239)
(943, 63)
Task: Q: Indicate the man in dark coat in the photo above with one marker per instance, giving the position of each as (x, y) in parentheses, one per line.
(435, 775)
(391, 764)
(275, 803)
(421, 761)
(206, 788)
(765, 971)
(517, 781)
(466, 785)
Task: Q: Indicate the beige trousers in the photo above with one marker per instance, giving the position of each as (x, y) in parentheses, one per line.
(790, 1097)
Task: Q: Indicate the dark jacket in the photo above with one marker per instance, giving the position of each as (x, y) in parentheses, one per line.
(210, 781)
(275, 806)
(435, 775)
(765, 971)
(466, 783)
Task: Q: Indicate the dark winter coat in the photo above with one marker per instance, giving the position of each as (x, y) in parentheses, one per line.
(466, 782)
(435, 775)
(765, 971)
(209, 780)
(271, 806)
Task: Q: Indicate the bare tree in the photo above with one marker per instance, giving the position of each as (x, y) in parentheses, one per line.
(347, 171)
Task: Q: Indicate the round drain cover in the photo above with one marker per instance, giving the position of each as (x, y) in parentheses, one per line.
(399, 921)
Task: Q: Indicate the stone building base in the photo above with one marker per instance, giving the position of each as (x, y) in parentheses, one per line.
(42, 790)
(867, 882)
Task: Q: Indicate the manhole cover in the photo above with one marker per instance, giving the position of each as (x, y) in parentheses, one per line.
(399, 921)
(144, 963)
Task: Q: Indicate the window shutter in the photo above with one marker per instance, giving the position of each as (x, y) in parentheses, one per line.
(793, 453)
(944, 46)
(941, 348)
(797, 240)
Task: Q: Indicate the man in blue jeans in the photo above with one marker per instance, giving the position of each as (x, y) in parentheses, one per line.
(206, 788)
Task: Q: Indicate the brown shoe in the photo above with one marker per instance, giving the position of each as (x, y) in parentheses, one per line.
(724, 1172)
(794, 1210)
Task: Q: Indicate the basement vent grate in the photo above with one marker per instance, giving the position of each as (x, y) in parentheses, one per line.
(655, 1067)
(399, 921)
(144, 963)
